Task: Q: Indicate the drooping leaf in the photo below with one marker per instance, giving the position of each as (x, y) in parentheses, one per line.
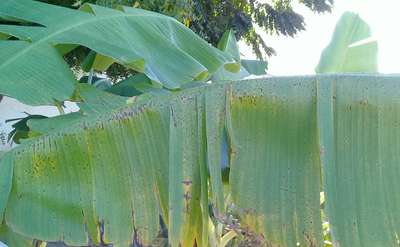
(215, 113)
(99, 178)
(202, 237)
(94, 199)
(159, 46)
(108, 176)
(359, 135)
(274, 170)
(184, 174)
(346, 51)
(6, 174)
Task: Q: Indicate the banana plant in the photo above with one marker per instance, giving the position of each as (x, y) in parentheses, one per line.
(150, 43)
(104, 176)
(98, 180)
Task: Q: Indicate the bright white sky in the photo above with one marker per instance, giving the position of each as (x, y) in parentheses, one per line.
(300, 55)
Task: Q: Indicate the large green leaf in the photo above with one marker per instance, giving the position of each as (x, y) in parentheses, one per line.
(99, 178)
(159, 46)
(350, 49)
(94, 200)
(108, 176)
(215, 114)
(359, 120)
(275, 171)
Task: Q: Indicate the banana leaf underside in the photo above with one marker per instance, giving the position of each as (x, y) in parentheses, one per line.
(107, 178)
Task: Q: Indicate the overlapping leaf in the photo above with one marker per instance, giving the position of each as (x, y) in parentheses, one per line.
(107, 177)
(275, 171)
(159, 46)
(359, 136)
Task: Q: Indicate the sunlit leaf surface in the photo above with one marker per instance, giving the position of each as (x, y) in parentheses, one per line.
(107, 176)
(351, 48)
(154, 44)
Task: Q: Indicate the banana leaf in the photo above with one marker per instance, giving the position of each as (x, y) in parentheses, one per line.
(106, 178)
(351, 48)
(156, 45)
(359, 136)
(248, 67)
(254, 67)
(97, 180)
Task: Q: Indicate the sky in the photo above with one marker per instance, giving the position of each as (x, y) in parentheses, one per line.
(300, 55)
(295, 56)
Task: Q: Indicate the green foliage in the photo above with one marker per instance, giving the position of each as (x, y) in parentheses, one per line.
(21, 129)
(156, 40)
(133, 86)
(6, 173)
(105, 174)
(358, 138)
(349, 49)
(210, 19)
(98, 177)
(229, 45)
(254, 67)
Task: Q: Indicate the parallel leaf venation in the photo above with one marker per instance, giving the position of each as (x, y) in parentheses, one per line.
(158, 155)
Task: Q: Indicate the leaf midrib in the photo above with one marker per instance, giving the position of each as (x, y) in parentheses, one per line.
(94, 18)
